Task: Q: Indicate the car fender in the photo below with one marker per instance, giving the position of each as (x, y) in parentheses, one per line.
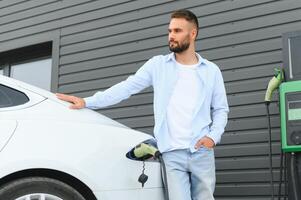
(86, 151)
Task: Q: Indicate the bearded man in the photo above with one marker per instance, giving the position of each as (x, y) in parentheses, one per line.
(190, 108)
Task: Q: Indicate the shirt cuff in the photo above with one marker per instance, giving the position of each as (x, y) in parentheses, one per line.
(89, 102)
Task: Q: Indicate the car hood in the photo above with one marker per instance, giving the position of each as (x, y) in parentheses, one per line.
(58, 111)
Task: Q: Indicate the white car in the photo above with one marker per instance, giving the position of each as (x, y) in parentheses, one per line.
(51, 152)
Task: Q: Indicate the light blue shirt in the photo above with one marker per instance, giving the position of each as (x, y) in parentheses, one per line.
(161, 72)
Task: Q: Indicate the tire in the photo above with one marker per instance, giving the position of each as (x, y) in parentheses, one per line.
(33, 188)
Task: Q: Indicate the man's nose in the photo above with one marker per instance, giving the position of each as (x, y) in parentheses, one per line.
(171, 37)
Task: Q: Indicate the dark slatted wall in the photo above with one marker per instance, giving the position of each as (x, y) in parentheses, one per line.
(104, 41)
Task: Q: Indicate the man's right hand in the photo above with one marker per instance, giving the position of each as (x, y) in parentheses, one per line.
(77, 102)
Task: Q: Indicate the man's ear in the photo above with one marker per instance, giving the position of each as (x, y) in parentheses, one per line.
(194, 33)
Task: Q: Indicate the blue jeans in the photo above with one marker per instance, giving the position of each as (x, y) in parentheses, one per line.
(190, 176)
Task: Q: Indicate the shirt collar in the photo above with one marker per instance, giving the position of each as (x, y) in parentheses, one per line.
(171, 57)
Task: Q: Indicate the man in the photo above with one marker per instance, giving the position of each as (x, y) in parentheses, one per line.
(190, 108)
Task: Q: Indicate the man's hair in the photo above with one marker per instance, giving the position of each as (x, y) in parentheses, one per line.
(188, 15)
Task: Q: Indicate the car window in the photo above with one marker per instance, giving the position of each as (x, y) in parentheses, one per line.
(10, 97)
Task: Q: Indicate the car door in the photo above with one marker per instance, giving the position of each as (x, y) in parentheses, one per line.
(11, 99)
(7, 128)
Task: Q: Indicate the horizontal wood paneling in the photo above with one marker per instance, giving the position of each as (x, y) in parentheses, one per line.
(103, 42)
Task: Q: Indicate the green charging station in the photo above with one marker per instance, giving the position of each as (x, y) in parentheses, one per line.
(290, 93)
(290, 113)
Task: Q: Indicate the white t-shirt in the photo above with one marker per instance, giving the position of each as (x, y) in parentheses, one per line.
(182, 105)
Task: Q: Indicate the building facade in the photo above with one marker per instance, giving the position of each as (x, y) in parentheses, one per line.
(89, 45)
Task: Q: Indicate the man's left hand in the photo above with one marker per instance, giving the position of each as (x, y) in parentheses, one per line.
(206, 142)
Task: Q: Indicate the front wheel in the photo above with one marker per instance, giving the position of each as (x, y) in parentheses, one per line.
(36, 188)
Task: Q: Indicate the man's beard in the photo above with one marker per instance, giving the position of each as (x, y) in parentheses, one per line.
(179, 48)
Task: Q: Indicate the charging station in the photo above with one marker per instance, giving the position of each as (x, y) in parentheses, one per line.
(290, 112)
